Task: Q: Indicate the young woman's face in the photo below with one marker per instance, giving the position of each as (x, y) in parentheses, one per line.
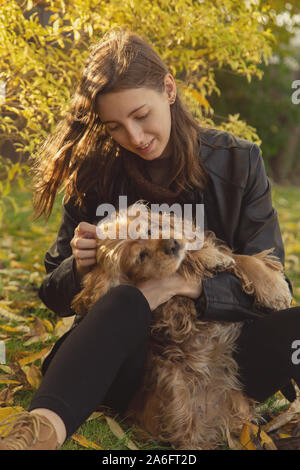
(137, 116)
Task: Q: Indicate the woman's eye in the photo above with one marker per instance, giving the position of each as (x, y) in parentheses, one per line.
(116, 127)
(112, 129)
(143, 117)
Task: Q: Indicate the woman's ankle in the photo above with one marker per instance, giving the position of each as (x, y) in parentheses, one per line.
(56, 421)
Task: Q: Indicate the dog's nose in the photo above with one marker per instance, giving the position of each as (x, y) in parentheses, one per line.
(171, 247)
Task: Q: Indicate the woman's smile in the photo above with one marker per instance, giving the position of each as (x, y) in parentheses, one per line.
(148, 148)
(130, 125)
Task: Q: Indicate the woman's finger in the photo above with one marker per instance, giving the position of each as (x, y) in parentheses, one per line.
(84, 243)
(84, 254)
(86, 262)
(84, 228)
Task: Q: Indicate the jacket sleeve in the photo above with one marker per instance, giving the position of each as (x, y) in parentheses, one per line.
(222, 298)
(62, 282)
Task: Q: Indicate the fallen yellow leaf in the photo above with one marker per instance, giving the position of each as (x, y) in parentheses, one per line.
(37, 339)
(6, 369)
(7, 395)
(16, 264)
(8, 381)
(33, 357)
(6, 312)
(7, 411)
(246, 438)
(254, 438)
(95, 415)
(17, 329)
(48, 325)
(11, 287)
(284, 417)
(63, 325)
(33, 375)
(4, 304)
(119, 433)
(85, 442)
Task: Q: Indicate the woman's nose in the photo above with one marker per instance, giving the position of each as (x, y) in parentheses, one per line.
(136, 135)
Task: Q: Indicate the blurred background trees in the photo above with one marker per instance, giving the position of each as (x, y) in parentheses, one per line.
(266, 103)
(234, 63)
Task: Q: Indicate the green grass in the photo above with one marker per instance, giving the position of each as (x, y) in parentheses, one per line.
(286, 200)
(22, 248)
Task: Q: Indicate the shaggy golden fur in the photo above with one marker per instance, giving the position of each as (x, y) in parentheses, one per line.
(191, 396)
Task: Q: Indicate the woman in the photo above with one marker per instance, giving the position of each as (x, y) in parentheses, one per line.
(128, 133)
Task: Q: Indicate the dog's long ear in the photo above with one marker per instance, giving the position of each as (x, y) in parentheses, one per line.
(78, 304)
(95, 285)
(99, 280)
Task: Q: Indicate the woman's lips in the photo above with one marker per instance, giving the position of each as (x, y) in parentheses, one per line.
(147, 149)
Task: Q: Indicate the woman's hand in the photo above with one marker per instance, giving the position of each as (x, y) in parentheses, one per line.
(83, 246)
(159, 291)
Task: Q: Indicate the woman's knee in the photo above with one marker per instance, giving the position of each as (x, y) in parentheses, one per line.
(125, 309)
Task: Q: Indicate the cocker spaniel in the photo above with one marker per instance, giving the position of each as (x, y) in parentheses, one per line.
(191, 396)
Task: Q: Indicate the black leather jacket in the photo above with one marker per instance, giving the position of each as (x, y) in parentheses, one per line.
(238, 209)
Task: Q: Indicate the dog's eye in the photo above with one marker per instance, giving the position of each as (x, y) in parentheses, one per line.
(149, 232)
(143, 255)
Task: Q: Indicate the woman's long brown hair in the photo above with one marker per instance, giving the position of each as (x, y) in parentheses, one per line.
(79, 153)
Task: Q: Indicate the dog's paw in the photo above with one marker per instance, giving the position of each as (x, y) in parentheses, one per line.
(263, 277)
(224, 262)
(276, 297)
(215, 260)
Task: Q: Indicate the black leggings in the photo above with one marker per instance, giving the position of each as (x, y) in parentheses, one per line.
(101, 360)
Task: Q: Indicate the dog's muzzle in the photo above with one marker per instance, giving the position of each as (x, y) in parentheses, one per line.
(172, 247)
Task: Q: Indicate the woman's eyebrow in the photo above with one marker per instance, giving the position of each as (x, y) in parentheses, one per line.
(105, 122)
